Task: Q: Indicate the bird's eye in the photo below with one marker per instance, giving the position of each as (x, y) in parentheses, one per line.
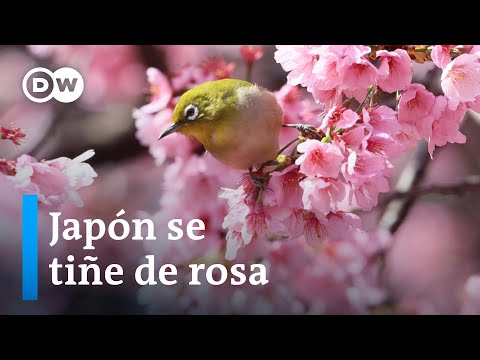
(191, 112)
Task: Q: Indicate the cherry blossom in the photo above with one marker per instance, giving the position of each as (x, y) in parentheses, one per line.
(445, 127)
(461, 80)
(441, 55)
(15, 135)
(415, 112)
(395, 70)
(54, 181)
(319, 159)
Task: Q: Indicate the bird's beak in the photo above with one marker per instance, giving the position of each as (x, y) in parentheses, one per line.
(171, 129)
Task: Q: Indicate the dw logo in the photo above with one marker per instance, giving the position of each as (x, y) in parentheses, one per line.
(65, 85)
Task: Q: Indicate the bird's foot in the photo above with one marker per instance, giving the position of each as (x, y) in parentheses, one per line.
(259, 178)
(308, 131)
(260, 182)
(260, 185)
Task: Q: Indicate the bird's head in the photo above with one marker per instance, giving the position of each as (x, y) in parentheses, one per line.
(202, 108)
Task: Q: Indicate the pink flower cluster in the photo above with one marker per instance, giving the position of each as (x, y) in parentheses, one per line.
(332, 73)
(312, 196)
(54, 181)
(350, 162)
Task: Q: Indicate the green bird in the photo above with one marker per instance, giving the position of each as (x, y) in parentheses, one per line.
(237, 122)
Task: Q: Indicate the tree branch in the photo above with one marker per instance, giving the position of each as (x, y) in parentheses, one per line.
(398, 208)
(50, 132)
(471, 183)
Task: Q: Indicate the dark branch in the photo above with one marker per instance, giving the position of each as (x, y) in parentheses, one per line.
(410, 178)
(471, 183)
(50, 132)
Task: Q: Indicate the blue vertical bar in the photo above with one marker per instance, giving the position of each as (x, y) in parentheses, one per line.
(30, 247)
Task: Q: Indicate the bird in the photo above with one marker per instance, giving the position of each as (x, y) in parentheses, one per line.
(236, 121)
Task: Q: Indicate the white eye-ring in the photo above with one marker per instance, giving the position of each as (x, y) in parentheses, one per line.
(191, 112)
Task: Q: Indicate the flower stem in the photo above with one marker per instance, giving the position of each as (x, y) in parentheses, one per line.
(248, 76)
(372, 99)
(369, 92)
(288, 145)
(327, 137)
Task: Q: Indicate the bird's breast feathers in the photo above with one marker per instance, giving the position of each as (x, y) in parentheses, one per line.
(250, 134)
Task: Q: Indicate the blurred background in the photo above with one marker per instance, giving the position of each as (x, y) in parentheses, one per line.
(434, 251)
